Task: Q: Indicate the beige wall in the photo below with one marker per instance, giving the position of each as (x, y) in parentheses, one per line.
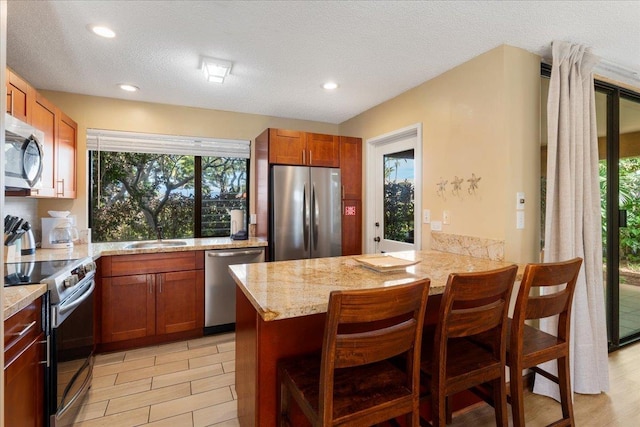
(114, 114)
(481, 117)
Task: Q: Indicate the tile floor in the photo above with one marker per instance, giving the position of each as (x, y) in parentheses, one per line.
(182, 384)
(191, 383)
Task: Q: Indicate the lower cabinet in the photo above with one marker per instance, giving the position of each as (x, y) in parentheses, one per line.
(140, 304)
(24, 369)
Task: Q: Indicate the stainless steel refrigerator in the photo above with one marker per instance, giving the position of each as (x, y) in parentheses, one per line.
(305, 217)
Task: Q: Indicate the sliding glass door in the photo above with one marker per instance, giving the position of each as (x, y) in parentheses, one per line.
(618, 117)
(618, 127)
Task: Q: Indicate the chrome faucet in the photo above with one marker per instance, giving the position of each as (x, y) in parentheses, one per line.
(159, 232)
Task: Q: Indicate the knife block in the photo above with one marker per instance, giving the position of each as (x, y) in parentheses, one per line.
(10, 253)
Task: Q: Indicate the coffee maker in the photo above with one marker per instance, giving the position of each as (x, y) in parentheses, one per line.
(59, 233)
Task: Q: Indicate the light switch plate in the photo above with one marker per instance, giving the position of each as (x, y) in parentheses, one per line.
(436, 225)
(520, 201)
(446, 217)
(520, 220)
(426, 216)
(253, 219)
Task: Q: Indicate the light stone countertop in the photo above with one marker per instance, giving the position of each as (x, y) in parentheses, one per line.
(285, 289)
(18, 297)
(96, 250)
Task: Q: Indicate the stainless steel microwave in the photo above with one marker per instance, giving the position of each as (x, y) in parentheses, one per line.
(23, 154)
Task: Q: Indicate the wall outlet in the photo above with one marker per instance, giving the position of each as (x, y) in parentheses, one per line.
(436, 225)
(426, 216)
(446, 217)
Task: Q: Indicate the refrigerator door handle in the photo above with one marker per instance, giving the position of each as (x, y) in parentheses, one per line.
(315, 212)
(305, 218)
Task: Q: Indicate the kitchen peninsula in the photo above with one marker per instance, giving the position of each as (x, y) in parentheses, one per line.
(281, 307)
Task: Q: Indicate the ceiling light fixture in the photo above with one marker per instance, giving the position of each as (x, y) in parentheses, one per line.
(102, 31)
(215, 70)
(330, 86)
(128, 87)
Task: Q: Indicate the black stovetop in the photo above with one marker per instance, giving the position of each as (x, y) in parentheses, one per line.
(31, 272)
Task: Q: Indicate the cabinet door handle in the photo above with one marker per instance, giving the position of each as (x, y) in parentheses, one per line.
(150, 284)
(26, 329)
(48, 353)
(160, 283)
(11, 104)
(60, 193)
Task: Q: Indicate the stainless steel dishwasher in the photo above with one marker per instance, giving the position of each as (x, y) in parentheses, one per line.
(220, 288)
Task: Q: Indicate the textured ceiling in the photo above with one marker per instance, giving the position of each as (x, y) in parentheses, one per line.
(283, 51)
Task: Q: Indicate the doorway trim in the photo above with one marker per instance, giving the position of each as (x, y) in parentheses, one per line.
(414, 131)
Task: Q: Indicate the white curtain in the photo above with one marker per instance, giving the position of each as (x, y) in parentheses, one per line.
(573, 221)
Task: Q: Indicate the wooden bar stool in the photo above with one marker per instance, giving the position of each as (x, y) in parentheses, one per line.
(472, 303)
(529, 346)
(352, 382)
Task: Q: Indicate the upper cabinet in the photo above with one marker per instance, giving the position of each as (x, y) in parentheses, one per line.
(20, 97)
(288, 147)
(66, 157)
(44, 118)
(323, 150)
(60, 137)
(351, 155)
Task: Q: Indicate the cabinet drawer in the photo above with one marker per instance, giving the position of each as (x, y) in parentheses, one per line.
(21, 329)
(124, 265)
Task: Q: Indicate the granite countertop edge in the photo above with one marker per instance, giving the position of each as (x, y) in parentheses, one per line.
(17, 297)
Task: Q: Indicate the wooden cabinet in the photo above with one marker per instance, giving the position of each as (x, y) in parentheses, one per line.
(24, 370)
(322, 150)
(66, 157)
(20, 97)
(287, 147)
(151, 298)
(60, 140)
(44, 117)
(351, 175)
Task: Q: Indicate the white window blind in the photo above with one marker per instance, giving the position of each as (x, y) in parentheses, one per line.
(134, 142)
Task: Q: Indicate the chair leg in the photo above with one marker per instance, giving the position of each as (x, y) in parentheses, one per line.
(564, 381)
(500, 401)
(438, 409)
(517, 398)
(283, 420)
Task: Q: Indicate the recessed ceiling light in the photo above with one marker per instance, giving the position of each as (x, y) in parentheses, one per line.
(128, 88)
(102, 31)
(330, 85)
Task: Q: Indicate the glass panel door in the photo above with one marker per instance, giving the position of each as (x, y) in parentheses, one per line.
(629, 219)
(395, 197)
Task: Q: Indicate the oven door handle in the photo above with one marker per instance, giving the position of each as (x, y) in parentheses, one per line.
(65, 308)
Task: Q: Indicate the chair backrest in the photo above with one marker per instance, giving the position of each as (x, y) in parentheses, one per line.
(558, 277)
(367, 326)
(472, 304)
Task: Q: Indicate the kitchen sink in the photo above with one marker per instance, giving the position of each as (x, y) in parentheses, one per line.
(156, 244)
